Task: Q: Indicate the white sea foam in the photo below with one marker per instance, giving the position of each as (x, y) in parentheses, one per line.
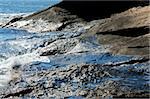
(6, 73)
(6, 17)
(24, 50)
(12, 15)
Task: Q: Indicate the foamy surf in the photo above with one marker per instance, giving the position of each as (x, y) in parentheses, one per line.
(6, 17)
(23, 49)
(6, 73)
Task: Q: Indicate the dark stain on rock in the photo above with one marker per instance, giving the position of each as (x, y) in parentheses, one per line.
(12, 21)
(20, 93)
(129, 32)
(130, 62)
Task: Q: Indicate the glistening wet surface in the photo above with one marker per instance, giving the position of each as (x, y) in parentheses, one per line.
(20, 52)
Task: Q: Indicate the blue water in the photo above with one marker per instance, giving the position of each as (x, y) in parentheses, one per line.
(7, 34)
(21, 6)
(24, 6)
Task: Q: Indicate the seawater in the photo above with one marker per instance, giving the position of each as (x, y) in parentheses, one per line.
(24, 6)
(16, 7)
(9, 34)
(15, 42)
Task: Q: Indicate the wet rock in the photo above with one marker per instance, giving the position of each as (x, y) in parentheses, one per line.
(81, 80)
(59, 47)
(67, 64)
(51, 19)
(12, 21)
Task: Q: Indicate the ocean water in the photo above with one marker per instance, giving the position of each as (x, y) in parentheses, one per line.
(15, 42)
(10, 8)
(24, 6)
(9, 34)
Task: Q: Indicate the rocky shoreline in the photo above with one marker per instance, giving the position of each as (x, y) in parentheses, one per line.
(69, 56)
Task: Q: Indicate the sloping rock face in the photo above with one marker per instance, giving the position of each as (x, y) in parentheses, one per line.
(83, 58)
(126, 32)
(93, 10)
(51, 19)
(72, 14)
